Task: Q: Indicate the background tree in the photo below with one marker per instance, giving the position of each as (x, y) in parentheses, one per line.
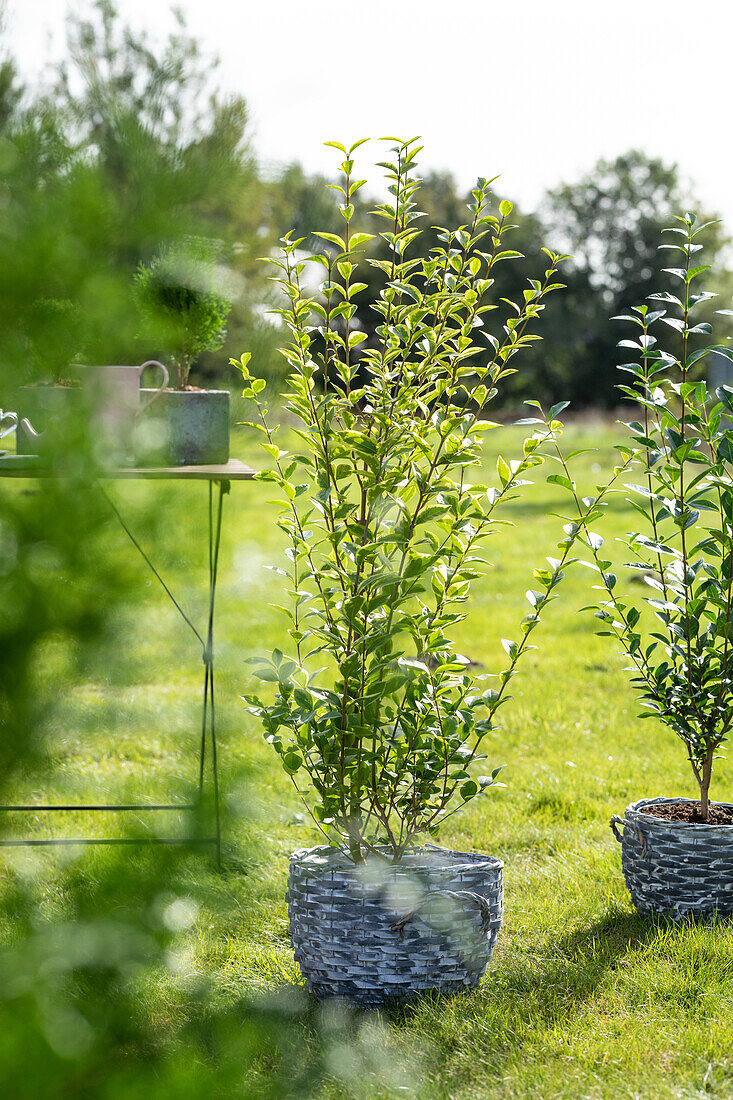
(171, 153)
(610, 221)
(298, 202)
(132, 147)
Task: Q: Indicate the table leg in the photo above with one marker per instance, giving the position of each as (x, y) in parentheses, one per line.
(208, 718)
(208, 721)
(208, 725)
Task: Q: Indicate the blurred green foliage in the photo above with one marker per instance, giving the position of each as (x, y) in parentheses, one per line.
(99, 996)
(128, 151)
(101, 992)
(107, 1000)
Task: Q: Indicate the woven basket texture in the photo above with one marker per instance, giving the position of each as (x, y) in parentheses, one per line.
(678, 869)
(385, 931)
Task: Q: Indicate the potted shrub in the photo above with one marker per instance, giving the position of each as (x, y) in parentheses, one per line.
(185, 299)
(385, 524)
(72, 405)
(677, 853)
(52, 398)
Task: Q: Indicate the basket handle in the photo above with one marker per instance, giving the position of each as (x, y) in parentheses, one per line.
(458, 895)
(474, 899)
(616, 821)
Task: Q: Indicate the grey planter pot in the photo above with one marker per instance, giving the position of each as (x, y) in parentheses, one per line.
(184, 428)
(386, 932)
(676, 869)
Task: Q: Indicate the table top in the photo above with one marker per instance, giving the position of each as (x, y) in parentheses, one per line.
(30, 466)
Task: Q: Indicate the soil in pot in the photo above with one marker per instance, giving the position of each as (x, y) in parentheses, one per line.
(689, 811)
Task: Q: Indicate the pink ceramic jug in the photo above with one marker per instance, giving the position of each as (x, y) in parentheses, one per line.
(115, 392)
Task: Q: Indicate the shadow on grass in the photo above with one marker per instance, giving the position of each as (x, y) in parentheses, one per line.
(525, 995)
(570, 967)
(542, 987)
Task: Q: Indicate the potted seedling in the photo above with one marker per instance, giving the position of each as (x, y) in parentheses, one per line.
(74, 407)
(52, 399)
(677, 852)
(385, 520)
(185, 300)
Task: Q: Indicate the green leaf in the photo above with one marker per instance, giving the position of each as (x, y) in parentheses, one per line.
(292, 762)
(332, 238)
(561, 479)
(357, 239)
(505, 474)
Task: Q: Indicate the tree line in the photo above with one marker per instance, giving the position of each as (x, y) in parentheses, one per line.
(129, 144)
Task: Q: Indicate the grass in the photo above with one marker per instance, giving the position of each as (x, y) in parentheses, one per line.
(585, 999)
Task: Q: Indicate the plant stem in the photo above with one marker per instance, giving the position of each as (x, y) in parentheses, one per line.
(705, 777)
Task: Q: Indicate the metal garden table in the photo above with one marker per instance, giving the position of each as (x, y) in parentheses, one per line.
(221, 477)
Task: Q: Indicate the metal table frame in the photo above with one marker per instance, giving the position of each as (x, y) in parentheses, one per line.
(221, 476)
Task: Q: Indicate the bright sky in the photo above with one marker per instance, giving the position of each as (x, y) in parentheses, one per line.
(536, 90)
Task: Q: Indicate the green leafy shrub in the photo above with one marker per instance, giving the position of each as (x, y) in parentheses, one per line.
(682, 654)
(54, 338)
(384, 521)
(182, 294)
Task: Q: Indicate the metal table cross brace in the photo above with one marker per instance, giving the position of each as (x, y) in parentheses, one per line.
(221, 476)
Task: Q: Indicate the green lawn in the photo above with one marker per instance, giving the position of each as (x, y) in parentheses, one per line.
(584, 999)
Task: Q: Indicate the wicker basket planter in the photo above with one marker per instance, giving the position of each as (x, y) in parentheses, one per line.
(388, 931)
(679, 869)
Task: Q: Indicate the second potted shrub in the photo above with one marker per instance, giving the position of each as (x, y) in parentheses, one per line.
(186, 302)
(385, 525)
(677, 853)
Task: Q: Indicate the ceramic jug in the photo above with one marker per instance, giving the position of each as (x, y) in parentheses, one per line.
(114, 392)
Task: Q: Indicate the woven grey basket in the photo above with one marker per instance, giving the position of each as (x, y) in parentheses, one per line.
(679, 869)
(387, 931)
